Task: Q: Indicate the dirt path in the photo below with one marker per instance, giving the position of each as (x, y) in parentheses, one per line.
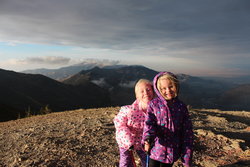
(87, 138)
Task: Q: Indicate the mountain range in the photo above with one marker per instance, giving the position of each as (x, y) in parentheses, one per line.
(118, 81)
(194, 91)
(107, 86)
(22, 93)
(65, 72)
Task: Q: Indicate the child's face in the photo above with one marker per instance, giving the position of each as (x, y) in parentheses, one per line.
(144, 92)
(167, 89)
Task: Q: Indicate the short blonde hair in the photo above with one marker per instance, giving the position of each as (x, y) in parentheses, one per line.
(142, 81)
(170, 77)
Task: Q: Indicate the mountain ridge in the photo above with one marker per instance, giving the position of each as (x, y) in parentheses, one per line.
(119, 82)
(21, 93)
(67, 71)
(107, 86)
(194, 91)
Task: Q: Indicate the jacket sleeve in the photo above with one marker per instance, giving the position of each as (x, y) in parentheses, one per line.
(150, 125)
(187, 140)
(123, 134)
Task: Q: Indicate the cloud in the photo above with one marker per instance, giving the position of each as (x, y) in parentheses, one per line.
(49, 60)
(100, 82)
(54, 62)
(98, 62)
(208, 32)
(123, 24)
(130, 84)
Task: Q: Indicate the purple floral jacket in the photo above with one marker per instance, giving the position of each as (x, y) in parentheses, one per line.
(169, 128)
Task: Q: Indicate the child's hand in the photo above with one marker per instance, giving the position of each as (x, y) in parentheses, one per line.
(146, 146)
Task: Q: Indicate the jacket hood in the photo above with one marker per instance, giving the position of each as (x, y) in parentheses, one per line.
(157, 92)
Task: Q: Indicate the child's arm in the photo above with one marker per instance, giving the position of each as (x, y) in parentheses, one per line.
(187, 140)
(123, 134)
(150, 125)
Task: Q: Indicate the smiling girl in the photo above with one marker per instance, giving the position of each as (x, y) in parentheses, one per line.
(168, 133)
(129, 124)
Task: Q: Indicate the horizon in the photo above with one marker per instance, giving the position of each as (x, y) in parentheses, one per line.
(104, 63)
(209, 38)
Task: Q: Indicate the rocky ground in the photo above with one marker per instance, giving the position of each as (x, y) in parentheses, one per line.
(86, 138)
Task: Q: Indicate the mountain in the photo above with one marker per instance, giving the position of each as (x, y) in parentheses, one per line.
(236, 98)
(201, 93)
(22, 93)
(119, 81)
(107, 86)
(194, 91)
(65, 72)
(237, 80)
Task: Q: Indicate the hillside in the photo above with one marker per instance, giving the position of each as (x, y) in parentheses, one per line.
(238, 97)
(118, 81)
(21, 93)
(86, 138)
(201, 93)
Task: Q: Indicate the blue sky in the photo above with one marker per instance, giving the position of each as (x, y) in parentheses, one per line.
(202, 38)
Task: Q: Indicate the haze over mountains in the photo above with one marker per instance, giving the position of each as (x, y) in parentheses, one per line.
(103, 86)
(65, 72)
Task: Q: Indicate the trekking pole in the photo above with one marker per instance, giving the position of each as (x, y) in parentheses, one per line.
(147, 160)
(147, 152)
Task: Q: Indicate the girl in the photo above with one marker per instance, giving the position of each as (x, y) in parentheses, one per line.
(129, 124)
(168, 133)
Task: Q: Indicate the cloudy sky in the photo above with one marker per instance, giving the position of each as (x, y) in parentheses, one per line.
(195, 37)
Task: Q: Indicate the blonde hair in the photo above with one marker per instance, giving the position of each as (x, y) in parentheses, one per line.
(142, 81)
(170, 77)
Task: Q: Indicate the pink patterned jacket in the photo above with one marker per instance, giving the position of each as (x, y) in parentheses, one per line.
(129, 124)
